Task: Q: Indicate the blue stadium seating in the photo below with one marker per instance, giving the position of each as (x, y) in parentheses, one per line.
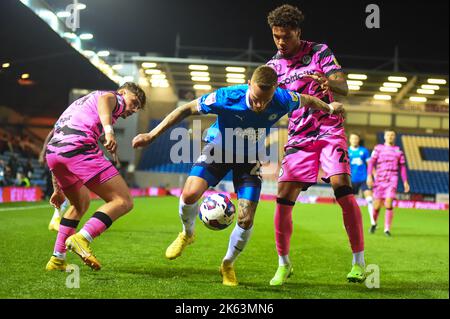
(156, 158)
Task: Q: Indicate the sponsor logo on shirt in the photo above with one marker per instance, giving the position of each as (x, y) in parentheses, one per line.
(306, 59)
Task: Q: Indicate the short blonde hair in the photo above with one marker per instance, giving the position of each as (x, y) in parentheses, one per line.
(265, 77)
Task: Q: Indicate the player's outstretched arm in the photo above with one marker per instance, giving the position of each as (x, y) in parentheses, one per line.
(315, 103)
(176, 116)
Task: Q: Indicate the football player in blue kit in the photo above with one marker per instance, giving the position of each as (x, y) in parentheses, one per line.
(250, 109)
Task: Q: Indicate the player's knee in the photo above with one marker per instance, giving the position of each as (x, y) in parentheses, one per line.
(343, 191)
(125, 203)
(245, 222)
(81, 207)
(339, 181)
(190, 197)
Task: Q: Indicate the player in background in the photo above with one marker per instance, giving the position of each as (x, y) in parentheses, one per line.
(79, 167)
(359, 157)
(314, 138)
(387, 159)
(253, 107)
(58, 213)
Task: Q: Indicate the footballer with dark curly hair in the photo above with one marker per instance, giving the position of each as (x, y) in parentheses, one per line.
(315, 138)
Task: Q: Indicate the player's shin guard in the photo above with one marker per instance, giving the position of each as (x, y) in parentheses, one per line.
(352, 221)
(238, 240)
(67, 228)
(283, 228)
(95, 226)
(188, 213)
(388, 219)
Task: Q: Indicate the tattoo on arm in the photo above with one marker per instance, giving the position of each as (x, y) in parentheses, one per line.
(247, 210)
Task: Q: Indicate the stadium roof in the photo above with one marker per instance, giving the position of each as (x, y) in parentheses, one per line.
(184, 74)
(37, 67)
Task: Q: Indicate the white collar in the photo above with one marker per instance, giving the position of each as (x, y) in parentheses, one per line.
(247, 99)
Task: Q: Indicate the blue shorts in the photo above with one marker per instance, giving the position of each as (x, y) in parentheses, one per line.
(247, 178)
(360, 186)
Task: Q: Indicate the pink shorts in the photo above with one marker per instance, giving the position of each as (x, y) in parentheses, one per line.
(301, 163)
(77, 171)
(384, 190)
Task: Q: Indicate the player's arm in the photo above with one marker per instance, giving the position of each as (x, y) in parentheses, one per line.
(331, 76)
(176, 116)
(404, 174)
(338, 83)
(44, 147)
(315, 103)
(105, 107)
(57, 198)
(370, 167)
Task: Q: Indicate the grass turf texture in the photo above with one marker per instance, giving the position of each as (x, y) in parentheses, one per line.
(414, 263)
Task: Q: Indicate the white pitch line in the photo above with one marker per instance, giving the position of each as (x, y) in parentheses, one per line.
(24, 208)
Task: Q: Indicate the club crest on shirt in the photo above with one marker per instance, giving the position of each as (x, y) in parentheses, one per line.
(210, 99)
(273, 117)
(306, 59)
(281, 172)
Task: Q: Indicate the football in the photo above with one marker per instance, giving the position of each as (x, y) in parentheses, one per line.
(217, 211)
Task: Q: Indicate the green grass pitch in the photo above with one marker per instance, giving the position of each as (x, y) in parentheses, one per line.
(414, 263)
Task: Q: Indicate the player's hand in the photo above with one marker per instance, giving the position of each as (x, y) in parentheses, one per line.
(110, 143)
(369, 181)
(321, 79)
(406, 187)
(338, 108)
(57, 199)
(41, 158)
(142, 140)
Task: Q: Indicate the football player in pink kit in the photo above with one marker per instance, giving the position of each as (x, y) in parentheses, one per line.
(314, 138)
(387, 159)
(79, 167)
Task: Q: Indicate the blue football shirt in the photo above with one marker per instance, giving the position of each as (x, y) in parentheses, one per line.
(358, 163)
(236, 119)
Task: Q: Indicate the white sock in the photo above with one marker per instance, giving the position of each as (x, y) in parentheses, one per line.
(283, 260)
(60, 212)
(86, 235)
(238, 239)
(358, 258)
(369, 201)
(63, 208)
(59, 255)
(188, 213)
